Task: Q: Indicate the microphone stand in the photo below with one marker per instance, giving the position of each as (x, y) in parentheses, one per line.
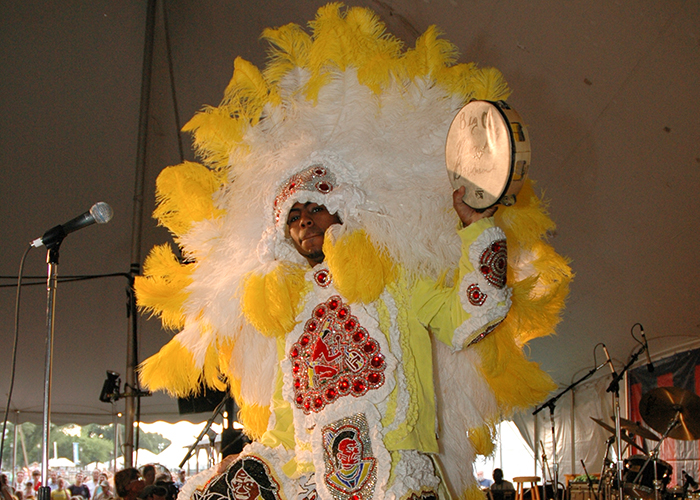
(44, 492)
(550, 404)
(614, 387)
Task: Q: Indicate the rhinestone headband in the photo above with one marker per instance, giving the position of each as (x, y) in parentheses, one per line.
(314, 178)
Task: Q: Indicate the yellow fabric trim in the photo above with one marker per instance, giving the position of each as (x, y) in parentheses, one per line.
(358, 283)
(282, 433)
(270, 302)
(473, 493)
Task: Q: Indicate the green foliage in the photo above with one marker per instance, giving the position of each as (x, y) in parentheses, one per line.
(95, 442)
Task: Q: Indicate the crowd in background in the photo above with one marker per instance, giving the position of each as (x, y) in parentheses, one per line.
(148, 483)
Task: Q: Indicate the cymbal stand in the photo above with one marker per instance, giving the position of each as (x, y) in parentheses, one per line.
(654, 455)
(551, 404)
(614, 388)
(546, 472)
(606, 461)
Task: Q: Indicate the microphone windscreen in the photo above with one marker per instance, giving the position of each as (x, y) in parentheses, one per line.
(101, 212)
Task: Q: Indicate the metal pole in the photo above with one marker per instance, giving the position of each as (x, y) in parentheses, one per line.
(44, 492)
(136, 230)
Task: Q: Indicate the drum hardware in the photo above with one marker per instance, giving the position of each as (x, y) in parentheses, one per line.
(635, 429)
(627, 439)
(488, 151)
(673, 411)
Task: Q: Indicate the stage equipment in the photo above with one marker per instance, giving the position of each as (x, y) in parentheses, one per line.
(488, 152)
(637, 430)
(627, 439)
(672, 411)
(52, 239)
(550, 403)
(99, 213)
(111, 388)
(614, 388)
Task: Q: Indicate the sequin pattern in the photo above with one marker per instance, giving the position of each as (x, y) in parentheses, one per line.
(475, 296)
(334, 357)
(351, 468)
(315, 178)
(493, 263)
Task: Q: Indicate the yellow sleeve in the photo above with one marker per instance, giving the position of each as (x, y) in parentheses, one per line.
(467, 311)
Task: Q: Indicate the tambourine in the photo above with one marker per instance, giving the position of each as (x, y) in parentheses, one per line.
(488, 151)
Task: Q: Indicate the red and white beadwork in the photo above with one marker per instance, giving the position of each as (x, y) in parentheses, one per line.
(475, 296)
(334, 357)
(315, 178)
(493, 263)
(323, 278)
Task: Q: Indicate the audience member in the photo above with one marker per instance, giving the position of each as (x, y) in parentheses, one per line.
(129, 483)
(153, 492)
(104, 489)
(20, 478)
(35, 480)
(484, 483)
(53, 480)
(61, 492)
(28, 492)
(93, 482)
(78, 489)
(5, 489)
(149, 474)
(500, 484)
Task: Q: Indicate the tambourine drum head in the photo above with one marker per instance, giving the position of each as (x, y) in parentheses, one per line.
(480, 155)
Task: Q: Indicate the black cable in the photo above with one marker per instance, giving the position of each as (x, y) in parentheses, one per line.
(13, 365)
(64, 279)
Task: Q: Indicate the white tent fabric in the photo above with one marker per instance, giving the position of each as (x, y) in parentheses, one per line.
(578, 437)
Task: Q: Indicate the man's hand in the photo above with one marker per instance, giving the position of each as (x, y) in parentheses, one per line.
(466, 213)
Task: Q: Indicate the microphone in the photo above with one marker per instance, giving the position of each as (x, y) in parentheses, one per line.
(607, 356)
(650, 366)
(99, 213)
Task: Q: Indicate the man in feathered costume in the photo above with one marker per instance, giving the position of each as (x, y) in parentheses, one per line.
(364, 320)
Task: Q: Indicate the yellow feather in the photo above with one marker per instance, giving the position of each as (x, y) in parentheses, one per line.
(358, 283)
(291, 49)
(217, 131)
(171, 369)
(161, 290)
(482, 439)
(270, 302)
(254, 419)
(184, 195)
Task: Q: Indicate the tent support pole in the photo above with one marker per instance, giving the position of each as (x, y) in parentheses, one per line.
(136, 232)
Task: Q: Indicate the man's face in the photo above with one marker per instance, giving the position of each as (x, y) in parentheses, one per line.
(307, 224)
(95, 475)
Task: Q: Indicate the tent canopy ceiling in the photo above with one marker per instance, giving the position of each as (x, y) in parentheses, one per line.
(609, 92)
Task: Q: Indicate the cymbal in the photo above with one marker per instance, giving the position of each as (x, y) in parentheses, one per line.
(624, 436)
(637, 430)
(659, 407)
